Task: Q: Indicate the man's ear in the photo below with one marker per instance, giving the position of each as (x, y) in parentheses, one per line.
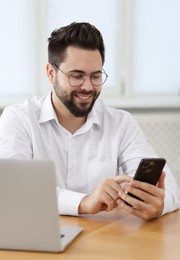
(50, 72)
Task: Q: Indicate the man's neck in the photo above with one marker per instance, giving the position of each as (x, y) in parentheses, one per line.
(70, 122)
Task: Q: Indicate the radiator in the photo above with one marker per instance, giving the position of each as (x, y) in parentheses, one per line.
(163, 132)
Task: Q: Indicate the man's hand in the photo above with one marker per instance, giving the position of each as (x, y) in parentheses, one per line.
(104, 198)
(152, 197)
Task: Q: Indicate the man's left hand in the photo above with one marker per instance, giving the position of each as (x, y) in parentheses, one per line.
(152, 198)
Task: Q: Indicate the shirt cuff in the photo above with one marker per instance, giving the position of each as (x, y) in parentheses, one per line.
(171, 202)
(68, 201)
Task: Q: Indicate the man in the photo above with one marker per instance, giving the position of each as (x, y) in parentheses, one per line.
(87, 141)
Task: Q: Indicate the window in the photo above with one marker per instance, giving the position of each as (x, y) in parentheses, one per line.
(18, 52)
(99, 13)
(142, 40)
(156, 47)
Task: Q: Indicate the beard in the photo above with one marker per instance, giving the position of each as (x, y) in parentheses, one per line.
(80, 109)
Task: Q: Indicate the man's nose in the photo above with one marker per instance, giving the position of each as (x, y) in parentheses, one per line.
(87, 85)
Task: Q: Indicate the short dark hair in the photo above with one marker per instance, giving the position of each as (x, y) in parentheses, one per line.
(83, 35)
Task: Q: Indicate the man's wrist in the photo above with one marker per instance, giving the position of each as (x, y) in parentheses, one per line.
(82, 209)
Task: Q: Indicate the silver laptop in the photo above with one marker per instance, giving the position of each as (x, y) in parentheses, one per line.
(29, 217)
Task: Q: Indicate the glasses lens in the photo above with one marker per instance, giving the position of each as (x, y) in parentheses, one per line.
(98, 78)
(76, 79)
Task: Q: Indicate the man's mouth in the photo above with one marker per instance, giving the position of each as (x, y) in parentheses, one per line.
(84, 98)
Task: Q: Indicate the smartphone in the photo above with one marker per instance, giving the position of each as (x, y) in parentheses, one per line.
(149, 170)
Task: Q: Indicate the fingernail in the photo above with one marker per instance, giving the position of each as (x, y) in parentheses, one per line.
(120, 193)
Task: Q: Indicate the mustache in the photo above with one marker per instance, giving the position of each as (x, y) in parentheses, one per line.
(84, 92)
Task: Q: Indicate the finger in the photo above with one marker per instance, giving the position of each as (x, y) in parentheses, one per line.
(110, 203)
(111, 187)
(129, 192)
(139, 213)
(113, 191)
(149, 195)
(130, 199)
(107, 194)
(146, 186)
(122, 178)
(139, 186)
(143, 214)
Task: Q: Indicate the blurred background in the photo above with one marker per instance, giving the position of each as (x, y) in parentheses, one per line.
(142, 40)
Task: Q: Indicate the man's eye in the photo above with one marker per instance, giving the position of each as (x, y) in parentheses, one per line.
(96, 76)
(77, 76)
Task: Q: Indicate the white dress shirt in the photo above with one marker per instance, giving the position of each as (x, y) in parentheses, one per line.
(109, 140)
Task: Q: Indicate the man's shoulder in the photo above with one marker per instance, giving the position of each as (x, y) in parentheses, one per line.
(29, 106)
(105, 110)
(110, 117)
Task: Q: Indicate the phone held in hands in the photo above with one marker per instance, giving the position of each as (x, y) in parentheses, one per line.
(149, 170)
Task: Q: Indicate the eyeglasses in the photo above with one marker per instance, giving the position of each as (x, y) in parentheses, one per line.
(76, 79)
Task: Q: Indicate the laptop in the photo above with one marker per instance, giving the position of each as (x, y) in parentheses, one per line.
(29, 217)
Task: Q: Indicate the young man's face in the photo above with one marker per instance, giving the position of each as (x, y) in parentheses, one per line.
(79, 100)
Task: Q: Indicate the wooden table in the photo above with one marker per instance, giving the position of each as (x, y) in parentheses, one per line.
(116, 235)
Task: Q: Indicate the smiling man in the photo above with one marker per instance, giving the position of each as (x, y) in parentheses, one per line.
(88, 142)
(79, 103)
(77, 84)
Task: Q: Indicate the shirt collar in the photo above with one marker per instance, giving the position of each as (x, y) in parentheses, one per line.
(93, 116)
(47, 111)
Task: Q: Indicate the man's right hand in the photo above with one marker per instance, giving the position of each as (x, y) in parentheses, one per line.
(104, 198)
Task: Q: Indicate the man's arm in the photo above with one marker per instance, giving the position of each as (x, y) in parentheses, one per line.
(136, 147)
(14, 139)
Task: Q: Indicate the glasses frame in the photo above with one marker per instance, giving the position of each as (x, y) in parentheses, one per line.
(69, 77)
